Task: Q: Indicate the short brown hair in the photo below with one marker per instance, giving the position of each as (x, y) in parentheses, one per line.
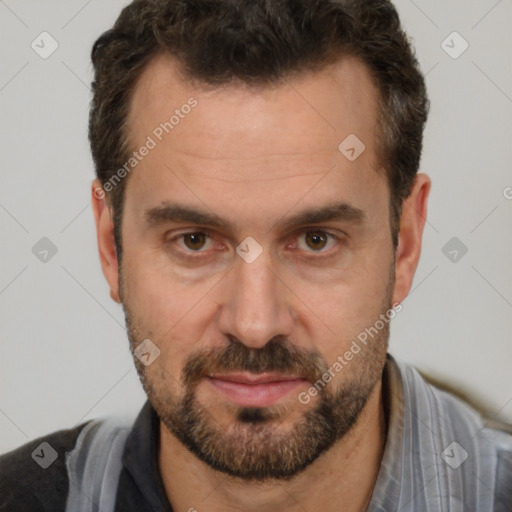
(260, 42)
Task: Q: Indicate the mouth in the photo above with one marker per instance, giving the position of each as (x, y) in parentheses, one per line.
(255, 390)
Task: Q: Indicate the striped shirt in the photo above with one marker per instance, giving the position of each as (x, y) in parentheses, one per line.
(440, 455)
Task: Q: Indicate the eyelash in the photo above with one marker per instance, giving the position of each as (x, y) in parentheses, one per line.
(198, 254)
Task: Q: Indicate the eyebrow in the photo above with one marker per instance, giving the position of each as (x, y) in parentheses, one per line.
(171, 212)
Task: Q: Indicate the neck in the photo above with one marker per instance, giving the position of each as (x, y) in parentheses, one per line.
(340, 480)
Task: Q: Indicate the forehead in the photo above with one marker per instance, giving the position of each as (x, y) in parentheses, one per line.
(312, 112)
(242, 146)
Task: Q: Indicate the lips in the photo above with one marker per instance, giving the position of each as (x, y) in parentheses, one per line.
(255, 390)
(251, 378)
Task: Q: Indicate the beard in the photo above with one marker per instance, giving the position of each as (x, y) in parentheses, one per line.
(252, 446)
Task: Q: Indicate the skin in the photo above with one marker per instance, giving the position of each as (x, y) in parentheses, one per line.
(254, 157)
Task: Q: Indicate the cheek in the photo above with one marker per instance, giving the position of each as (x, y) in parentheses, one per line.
(157, 291)
(170, 314)
(346, 308)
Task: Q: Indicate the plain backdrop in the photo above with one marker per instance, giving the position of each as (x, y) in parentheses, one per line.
(64, 353)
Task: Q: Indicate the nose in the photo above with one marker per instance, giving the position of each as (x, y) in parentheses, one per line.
(255, 306)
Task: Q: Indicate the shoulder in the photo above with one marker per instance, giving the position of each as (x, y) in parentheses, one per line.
(33, 477)
(469, 446)
(438, 404)
(483, 444)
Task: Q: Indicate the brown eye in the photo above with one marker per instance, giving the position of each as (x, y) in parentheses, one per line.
(194, 241)
(316, 240)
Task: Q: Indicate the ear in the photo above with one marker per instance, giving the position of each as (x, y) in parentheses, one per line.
(412, 222)
(105, 237)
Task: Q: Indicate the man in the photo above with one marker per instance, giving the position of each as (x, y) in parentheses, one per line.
(259, 216)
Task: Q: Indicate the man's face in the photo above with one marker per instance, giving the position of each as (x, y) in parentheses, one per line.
(254, 160)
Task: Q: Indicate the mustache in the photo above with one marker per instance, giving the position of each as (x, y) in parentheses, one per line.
(277, 356)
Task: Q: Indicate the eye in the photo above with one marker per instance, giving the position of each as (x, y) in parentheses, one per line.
(193, 241)
(318, 240)
(314, 241)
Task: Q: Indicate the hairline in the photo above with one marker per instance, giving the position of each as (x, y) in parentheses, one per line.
(333, 57)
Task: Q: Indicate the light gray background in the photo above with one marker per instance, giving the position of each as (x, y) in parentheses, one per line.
(64, 353)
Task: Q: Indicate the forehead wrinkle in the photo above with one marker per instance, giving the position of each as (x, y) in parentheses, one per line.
(254, 180)
(238, 176)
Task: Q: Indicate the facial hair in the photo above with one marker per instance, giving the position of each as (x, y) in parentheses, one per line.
(251, 447)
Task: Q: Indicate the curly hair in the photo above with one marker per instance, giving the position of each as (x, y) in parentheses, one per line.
(260, 42)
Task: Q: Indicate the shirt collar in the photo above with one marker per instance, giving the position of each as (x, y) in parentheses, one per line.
(140, 458)
(387, 489)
